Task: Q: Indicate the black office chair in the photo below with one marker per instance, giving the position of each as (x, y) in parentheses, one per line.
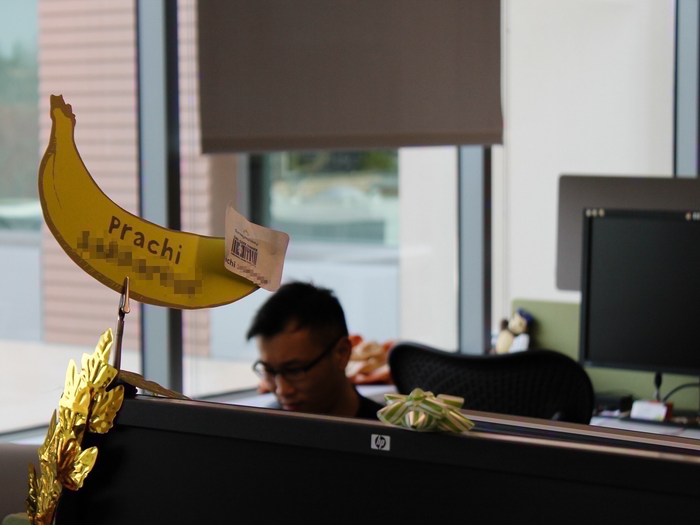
(534, 383)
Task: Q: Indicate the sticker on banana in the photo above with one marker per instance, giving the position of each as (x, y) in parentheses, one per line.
(166, 267)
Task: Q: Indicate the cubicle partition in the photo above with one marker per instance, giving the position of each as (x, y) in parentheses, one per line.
(171, 461)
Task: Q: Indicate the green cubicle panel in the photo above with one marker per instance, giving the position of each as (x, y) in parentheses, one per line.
(556, 327)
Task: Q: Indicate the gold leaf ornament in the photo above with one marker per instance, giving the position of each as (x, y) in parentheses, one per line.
(144, 384)
(33, 499)
(84, 404)
(43, 449)
(76, 397)
(96, 369)
(104, 409)
(43, 497)
(66, 453)
(73, 464)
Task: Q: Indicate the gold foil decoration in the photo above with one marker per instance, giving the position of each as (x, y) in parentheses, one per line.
(106, 405)
(144, 384)
(85, 404)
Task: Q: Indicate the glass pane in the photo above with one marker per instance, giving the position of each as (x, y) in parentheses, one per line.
(336, 196)
(50, 310)
(208, 183)
(340, 209)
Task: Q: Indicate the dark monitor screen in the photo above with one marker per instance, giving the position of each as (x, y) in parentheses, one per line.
(640, 302)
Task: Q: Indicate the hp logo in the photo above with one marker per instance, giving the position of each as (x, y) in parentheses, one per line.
(380, 442)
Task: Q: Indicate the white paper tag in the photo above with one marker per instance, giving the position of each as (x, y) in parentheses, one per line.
(254, 252)
(649, 410)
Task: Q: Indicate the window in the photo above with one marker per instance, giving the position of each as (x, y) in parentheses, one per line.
(340, 209)
(334, 196)
(50, 310)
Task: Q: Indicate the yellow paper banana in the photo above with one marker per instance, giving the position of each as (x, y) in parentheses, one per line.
(166, 267)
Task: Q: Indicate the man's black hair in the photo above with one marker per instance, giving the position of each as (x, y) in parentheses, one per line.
(300, 305)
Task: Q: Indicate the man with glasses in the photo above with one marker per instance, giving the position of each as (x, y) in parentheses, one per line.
(304, 349)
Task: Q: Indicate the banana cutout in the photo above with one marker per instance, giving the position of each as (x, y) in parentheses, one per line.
(165, 267)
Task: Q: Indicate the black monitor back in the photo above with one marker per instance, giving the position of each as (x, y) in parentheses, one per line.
(176, 462)
(577, 192)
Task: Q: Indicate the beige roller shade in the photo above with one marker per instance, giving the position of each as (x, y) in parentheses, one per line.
(338, 74)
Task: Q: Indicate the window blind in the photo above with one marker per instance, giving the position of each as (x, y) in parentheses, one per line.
(348, 74)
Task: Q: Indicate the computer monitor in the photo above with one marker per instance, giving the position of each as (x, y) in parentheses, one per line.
(188, 462)
(640, 303)
(578, 192)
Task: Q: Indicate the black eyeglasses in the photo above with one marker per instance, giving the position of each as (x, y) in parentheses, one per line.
(291, 374)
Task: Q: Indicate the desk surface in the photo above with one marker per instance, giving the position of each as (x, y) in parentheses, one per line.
(639, 426)
(376, 392)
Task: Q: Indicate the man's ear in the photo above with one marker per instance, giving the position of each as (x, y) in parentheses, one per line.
(342, 352)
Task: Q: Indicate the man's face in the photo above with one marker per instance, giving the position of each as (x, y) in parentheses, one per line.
(318, 389)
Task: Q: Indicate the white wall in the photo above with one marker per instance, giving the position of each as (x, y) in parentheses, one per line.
(428, 282)
(588, 90)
